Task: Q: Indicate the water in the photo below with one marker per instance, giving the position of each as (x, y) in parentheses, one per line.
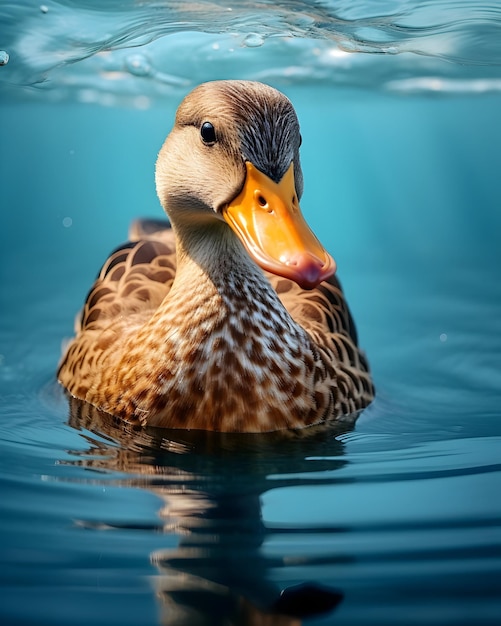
(397, 521)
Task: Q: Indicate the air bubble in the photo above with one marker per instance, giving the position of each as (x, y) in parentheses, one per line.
(138, 65)
(443, 337)
(253, 40)
(44, 8)
(67, 222)
(4, 57)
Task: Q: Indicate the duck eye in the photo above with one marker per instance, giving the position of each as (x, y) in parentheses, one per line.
(208, 133)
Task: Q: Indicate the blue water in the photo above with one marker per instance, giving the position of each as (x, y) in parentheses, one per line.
(396, 522)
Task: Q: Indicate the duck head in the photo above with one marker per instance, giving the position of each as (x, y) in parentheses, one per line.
(233, 156)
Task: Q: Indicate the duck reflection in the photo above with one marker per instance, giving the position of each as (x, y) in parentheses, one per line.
(211, 485)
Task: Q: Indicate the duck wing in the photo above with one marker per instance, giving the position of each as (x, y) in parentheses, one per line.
(135, 278)
(324, 313)
(322, 309)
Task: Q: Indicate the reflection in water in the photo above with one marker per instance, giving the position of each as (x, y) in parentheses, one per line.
(211, 484)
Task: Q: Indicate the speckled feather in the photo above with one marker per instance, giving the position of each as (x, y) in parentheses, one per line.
(201, 337)
(247, 365)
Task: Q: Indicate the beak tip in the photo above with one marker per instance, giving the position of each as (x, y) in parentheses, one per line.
(309, 271)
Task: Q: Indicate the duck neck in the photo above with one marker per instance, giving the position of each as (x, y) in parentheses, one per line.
(211, 260)
(220, 297)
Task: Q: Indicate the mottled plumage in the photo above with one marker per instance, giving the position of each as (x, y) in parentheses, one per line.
(182, 328)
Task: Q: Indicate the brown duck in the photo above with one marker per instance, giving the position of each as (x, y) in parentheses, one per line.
(231, 320)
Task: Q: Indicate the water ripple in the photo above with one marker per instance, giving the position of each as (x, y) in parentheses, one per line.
(144, 51)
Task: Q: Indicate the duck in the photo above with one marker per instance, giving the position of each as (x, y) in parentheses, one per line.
(227, 316)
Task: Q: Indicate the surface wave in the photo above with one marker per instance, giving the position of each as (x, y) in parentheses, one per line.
(143, 52)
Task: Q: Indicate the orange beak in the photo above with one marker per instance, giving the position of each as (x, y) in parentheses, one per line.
(267, 219)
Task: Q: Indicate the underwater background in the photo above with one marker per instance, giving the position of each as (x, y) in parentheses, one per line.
(397, 521)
